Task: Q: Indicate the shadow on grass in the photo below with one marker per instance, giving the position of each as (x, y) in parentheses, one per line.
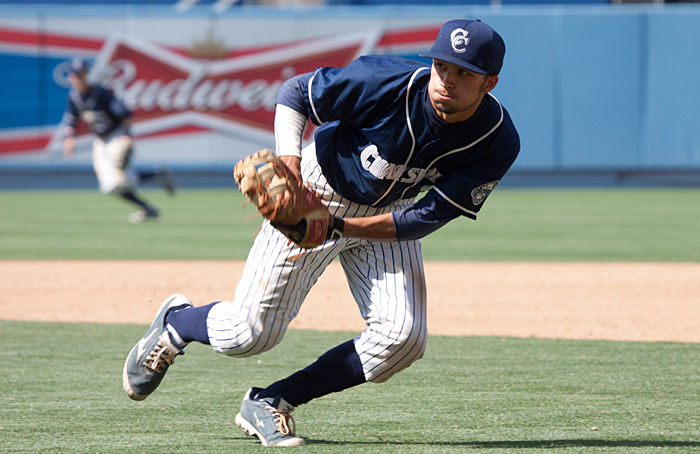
(530, 444)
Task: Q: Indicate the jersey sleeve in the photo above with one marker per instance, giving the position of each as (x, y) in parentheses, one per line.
(354, 93)
(422, 218)
(117, 108)
(458, 195)
(293, 92)
(71, 114)
(467, 189)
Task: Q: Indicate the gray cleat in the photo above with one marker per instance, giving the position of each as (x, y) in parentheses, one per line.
(268, 419)
(149, 360)
(143, 214)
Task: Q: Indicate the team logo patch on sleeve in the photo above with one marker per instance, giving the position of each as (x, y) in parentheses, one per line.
(480, 193)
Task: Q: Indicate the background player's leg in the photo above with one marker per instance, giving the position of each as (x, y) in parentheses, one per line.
(163, 177)
(147, 210)
(130, 196)
(110, 161)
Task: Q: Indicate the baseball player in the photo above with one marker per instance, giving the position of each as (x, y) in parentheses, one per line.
(389, 129)
(110, 120)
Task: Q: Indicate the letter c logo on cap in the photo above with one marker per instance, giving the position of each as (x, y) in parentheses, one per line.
(459, 40)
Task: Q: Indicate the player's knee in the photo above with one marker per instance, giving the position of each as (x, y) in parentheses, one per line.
(413, 341)
(399, 354)
(242, 340)
(111, 189)
(115, 188)
(235, 331)
(117, 182)
(245, 348)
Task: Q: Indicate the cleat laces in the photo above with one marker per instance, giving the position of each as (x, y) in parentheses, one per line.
(282, 420)
(160, 358)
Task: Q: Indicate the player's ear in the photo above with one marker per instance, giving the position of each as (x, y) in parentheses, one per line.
(490, 83)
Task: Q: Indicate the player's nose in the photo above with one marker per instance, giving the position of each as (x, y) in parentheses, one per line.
(448, 78)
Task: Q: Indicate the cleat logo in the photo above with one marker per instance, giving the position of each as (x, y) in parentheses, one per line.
(258, 422)
(141, 350)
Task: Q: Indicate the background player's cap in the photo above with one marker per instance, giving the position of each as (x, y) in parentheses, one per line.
(470, 44)
(78, 66)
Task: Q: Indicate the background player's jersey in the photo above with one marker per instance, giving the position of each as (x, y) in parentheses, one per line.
(101, 111)
(380, 139)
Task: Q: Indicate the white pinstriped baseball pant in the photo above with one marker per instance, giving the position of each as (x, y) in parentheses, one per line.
(386, 279)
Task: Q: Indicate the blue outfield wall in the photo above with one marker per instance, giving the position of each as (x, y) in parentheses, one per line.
(590, 87)
(603, 87)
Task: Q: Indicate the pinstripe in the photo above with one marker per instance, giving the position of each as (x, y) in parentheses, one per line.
(385, 277)
(413, 349)
(400, 328)
(356, 276)
(221, 333)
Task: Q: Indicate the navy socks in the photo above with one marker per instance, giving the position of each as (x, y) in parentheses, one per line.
(133, 198)
(337, 369)
(145, 175)
(191, 323)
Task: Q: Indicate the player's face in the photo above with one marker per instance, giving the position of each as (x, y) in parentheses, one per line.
(455, 92)
(79, 82)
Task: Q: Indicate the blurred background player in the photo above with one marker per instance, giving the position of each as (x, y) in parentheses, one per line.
(110, 120)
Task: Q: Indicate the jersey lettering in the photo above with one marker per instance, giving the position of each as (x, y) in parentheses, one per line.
(384, 170)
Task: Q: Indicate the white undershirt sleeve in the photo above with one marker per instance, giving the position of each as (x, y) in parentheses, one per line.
(290, 126)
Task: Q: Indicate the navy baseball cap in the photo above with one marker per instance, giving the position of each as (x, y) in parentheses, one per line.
(78, 66)
(470, 44)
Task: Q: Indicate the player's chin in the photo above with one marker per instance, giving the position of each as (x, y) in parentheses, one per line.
(445, 108)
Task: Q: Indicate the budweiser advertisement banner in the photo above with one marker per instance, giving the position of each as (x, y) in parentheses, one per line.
(202, 90)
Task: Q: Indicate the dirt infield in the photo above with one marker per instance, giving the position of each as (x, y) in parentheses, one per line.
(615, 301)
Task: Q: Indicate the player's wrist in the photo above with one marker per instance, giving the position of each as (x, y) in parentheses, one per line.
(69, 133)
(335, 228)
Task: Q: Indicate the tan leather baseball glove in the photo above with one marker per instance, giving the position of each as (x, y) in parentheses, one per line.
(292, 208)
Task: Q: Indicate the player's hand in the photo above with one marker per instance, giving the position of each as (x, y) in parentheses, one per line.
(69, 146)
(279, 195)
(286, 199)
(294, 165)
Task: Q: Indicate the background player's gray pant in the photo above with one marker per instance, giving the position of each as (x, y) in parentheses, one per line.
(110, 158)
(385, 277)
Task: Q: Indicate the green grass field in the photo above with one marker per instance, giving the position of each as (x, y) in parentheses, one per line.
(61, 392)
(60, 384)
(539, 225)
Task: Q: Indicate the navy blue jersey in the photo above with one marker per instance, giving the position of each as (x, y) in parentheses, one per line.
(379, 139)
(99, 109)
